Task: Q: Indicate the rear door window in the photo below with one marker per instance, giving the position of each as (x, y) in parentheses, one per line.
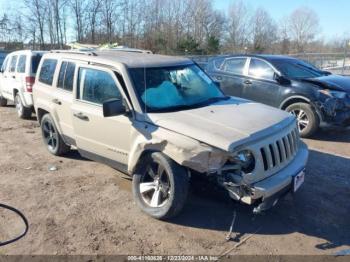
(234, 65)
(260, 69)
(96, 86)
(66, 76)
(21, 66)
(47, 71)
(13, 63)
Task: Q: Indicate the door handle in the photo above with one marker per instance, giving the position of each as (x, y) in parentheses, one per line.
(81, 116)
(56, 101)
(14, 77)
(248, 82)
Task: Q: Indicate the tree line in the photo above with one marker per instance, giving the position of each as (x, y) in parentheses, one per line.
(163, 26)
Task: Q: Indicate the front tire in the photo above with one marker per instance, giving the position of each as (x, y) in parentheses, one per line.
(160, 186)
(22, 111)
(307, 119)
(52, 139)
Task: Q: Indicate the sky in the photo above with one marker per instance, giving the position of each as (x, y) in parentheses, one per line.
(334, 15)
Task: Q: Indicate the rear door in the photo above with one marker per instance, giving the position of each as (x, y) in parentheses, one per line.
(97, 137)
(231, 76)
(63, 98)
(260, 84)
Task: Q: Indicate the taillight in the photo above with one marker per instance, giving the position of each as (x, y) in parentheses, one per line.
(29, 83)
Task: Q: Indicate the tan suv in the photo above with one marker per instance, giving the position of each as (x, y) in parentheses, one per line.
(162, 120)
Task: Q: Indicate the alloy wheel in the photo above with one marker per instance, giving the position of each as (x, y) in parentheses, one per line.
(302, 118)
(155, 186)
(50, 135)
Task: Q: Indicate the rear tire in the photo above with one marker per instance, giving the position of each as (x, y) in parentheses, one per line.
(3, 101)
(162, 192)
(307, 119)
(52, 139)
(22, 111)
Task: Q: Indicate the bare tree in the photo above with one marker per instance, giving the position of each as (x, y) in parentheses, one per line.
(36, 13)
(93, 9)
(237, 27)
(303, 26)
(263, 30)
(78, 8)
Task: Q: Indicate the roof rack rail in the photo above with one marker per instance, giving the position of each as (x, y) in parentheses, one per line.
(81, 52)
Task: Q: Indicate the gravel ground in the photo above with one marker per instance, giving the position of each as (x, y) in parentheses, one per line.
(87, 208)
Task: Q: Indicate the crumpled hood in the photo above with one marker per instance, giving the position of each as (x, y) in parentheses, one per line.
(334, 82)
(225, 124)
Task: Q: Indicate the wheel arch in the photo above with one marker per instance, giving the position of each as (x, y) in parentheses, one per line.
(40, 113)
(292, 100)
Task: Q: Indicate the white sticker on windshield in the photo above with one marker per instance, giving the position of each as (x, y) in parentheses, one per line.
(204, 77)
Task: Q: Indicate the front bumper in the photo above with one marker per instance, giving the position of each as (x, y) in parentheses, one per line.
(267, 192)
(334, 112)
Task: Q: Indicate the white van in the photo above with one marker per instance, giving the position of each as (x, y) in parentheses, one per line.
(17, 76)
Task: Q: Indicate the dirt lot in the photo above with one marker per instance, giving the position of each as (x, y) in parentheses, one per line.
(87, 208)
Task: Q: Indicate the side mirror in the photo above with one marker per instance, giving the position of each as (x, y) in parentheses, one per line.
(114, 107)
(327, 73)
(282, 79)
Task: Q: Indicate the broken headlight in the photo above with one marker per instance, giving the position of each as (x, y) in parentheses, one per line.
(333, 93)
(245, 159)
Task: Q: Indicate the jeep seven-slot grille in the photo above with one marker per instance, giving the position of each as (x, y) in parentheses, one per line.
(281, 151)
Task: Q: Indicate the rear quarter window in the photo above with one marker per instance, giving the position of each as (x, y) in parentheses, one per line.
(35, 62)
(47, 71)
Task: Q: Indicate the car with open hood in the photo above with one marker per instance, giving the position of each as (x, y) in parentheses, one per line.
(161, 120)
(317, 98)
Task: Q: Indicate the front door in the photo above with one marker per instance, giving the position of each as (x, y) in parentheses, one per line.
(101, 138)
(260, 84)
(10, 78)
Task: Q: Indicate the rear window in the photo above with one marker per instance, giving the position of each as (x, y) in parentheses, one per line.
(21, 66)
(66, 76)
(13, 63)
(47, 71)
(35, 62)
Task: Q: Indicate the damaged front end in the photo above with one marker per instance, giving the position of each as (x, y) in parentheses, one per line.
(335, 110)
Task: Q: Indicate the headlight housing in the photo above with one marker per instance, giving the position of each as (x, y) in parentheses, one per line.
(333, 93)
(245, 158)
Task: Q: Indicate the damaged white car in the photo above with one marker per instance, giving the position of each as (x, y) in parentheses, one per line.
(162, 119)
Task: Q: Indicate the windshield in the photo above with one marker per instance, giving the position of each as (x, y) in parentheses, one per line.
(174, 88)
(298, 69)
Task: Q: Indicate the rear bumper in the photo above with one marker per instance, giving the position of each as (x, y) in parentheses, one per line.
(27, 99)
(267, 192)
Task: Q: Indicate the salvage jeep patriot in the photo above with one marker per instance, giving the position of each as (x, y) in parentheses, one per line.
(162, 119)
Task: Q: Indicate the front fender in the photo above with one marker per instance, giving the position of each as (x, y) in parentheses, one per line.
(183, 150)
